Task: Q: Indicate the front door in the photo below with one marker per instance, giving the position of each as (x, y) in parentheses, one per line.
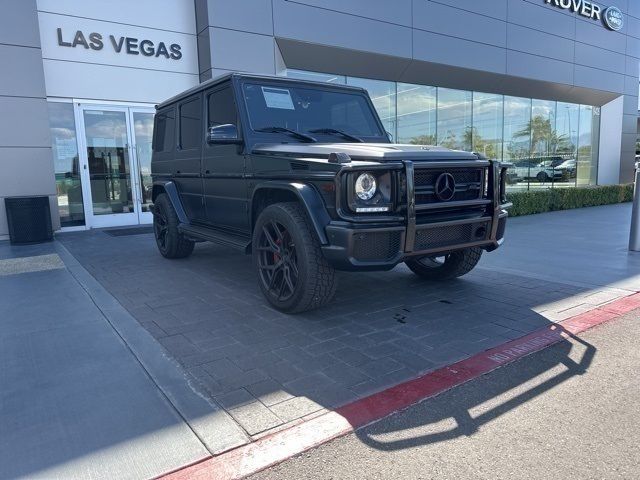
(115, 155)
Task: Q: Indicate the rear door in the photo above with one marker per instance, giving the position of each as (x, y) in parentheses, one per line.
(223, 166)
(187, 166)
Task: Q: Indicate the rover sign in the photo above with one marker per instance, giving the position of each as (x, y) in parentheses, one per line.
(611, 16)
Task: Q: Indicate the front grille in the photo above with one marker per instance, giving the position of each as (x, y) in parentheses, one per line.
(469, 182)
(446, 236)
(372, 246)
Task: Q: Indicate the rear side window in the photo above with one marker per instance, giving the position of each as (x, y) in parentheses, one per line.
(190, 124)
(165, 132)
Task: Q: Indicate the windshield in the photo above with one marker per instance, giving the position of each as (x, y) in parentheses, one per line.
(305, 110)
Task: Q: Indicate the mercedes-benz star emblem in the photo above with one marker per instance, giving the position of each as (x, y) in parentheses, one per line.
(445, 187)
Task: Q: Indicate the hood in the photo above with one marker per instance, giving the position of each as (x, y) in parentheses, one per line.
(381, 152)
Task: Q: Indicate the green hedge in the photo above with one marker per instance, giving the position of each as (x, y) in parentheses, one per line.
(539, 201)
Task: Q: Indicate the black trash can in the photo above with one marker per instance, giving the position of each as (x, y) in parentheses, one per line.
(29, 219)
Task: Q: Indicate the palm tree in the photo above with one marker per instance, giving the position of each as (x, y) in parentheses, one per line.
(544, 138)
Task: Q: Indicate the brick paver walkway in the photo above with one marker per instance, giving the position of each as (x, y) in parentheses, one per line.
(268, 369)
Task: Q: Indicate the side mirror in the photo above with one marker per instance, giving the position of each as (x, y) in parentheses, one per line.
(223, 134)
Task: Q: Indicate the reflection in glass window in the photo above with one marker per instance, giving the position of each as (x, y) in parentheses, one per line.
(588, 134)
(65, 163)
(567, 119)
(551, 143)
(487, 124)
(143, 130)
(383, 95)
(416, 114)
(517, 140)
(315, 76)
(454, 119)
(543, 128)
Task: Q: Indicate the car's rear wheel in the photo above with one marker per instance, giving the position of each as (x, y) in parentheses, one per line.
(171, 243)
(293, 274)
(445, 267)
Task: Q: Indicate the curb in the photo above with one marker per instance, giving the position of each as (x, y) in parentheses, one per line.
(270, 450)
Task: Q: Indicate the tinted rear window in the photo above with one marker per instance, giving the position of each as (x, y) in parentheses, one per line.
(165, 132)
(190, 124)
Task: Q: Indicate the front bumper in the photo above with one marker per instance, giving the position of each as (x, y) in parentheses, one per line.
(354, 246)
(382, 247)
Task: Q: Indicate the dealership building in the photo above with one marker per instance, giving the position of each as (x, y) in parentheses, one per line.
(550, 85)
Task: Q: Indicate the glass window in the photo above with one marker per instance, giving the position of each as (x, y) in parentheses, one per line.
(416, 114)
(517, 140)
(544, 146)
(586, 167)
(551, 143)
(383, 95)
(65, 164)
(190, 124)
(165, 134)
(567, 124)
(454, 119)
(315, 76)
(307, 109)
(143, 131)
(221, 108)
(543, 128)
(486, 133)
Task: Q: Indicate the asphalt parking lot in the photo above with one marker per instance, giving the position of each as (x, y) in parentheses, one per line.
(269, 370)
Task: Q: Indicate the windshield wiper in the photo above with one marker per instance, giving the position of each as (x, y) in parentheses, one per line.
(295, 133)
(337, 132)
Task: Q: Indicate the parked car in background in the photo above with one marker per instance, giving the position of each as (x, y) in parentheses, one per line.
(535, 169)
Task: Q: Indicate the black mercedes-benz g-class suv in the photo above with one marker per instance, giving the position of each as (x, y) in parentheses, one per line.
(303, 176)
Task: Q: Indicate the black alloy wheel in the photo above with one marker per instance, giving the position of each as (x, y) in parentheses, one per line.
(292, 272)
(160, 227)
(445, 267)
(277, 261)
(171, 243)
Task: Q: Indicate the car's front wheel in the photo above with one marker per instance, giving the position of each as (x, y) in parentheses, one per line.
(543, 177)
(171, 243)
(445, 267)
(293, 274)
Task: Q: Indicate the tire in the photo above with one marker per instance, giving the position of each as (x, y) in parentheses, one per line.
(453, 265)
(171, 243)
(292, 273)
(543, 177)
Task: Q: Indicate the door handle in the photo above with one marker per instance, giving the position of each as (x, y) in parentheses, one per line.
(207, 172)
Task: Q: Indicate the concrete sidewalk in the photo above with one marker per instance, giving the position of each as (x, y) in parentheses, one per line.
(76, 400)
(569, 411)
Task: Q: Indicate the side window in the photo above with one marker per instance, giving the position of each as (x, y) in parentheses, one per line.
(165, 132)
(190, 124)
(221, 108)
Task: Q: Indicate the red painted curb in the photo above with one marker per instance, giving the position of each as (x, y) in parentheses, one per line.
(272, 449)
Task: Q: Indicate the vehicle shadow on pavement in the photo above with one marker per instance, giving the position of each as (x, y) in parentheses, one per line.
(464, 410)
(269, 370)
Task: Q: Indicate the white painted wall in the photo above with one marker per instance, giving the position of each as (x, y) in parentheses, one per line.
(610, 142)
(106, 74)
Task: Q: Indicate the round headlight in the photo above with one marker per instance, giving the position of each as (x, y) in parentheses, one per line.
(365, 186)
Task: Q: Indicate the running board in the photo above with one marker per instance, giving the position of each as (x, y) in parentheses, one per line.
(239, 242)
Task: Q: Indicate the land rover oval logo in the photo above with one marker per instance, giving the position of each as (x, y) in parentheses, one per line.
(445, 187)
(613, 18)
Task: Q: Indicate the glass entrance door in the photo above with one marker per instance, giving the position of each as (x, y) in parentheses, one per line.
(115, 153)
(142, 121)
